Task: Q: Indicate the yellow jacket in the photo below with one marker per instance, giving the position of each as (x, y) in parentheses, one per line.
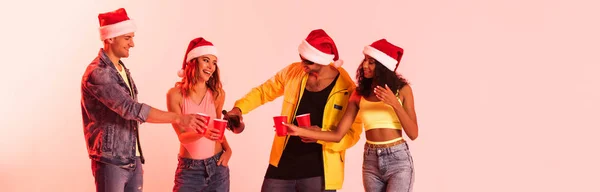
(290, 82)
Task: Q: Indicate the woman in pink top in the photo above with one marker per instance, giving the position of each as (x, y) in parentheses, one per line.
(203, 156)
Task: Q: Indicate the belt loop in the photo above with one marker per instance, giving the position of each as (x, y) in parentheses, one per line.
(217, 157)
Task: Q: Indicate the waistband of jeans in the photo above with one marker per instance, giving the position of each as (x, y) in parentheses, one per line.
(183, 161)
(387, 150)
(387, 145)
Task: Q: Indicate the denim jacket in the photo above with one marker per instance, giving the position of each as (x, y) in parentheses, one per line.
(111, 113)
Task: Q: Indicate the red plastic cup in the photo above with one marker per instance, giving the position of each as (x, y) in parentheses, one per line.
(220, 125)
(280, 129)
(303, 120)
(206, 117)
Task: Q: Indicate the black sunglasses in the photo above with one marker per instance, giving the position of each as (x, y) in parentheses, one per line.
(307, 62)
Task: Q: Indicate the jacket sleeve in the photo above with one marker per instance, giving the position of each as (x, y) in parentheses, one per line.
(107, 90)
(264, 93)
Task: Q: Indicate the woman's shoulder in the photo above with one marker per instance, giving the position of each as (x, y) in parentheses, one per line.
(406, 89)
(175, 93)
(355, 97)
(219, 96)
(405, 92)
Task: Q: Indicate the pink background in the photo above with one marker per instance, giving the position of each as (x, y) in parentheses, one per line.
(506, 92)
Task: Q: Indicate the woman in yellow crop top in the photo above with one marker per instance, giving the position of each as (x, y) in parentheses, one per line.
(384, 102)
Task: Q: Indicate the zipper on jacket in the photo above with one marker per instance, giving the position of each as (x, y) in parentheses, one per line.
(300, 92)
(298, 103)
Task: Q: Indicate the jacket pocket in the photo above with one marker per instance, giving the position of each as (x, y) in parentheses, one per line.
(108, 136)
(288, 107)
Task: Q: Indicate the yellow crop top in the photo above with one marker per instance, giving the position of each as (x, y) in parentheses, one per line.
(377, 114)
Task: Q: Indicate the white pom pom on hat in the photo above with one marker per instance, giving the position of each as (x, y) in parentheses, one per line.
(338, 63)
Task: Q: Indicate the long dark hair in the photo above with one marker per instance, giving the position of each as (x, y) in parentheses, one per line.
(191, 76)
(382, 77)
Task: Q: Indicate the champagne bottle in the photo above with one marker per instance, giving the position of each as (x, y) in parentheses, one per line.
(233, 123)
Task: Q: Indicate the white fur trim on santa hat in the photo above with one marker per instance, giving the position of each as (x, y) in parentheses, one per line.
(117, 29)
(313, 54)
(202, 50)
(386, 60)
(338, 63)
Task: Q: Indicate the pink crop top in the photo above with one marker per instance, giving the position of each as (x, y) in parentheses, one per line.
(202, 148)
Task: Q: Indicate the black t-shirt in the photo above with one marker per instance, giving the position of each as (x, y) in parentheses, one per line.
(303, 160)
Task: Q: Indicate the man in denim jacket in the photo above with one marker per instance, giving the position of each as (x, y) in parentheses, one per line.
(111, 113)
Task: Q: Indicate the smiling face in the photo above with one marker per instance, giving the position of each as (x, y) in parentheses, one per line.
(120, 45)
(206, 66)
(368, 67)
(201, 70)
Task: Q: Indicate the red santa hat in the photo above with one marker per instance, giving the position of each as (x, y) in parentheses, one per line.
(115, 23)
(197, 48)
(386, 53)
(319, 48)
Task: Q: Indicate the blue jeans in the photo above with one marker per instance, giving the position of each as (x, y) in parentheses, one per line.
(112, 178)
(201, 175)
(301, 185)
(388, 169)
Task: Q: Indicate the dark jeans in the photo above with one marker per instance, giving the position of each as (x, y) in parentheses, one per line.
(112, 178)
(201, 175)
(301, 185)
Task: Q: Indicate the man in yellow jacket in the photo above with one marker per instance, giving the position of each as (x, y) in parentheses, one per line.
(319, 86)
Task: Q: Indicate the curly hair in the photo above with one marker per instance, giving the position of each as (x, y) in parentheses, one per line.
(382, 77)
(192, 75)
